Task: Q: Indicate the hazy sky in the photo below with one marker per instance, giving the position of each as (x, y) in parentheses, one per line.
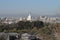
(23, 7)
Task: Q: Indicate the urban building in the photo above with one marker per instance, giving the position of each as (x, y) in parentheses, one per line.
(10, 20)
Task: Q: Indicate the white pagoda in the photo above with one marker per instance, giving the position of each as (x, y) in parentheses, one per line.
(29, 18)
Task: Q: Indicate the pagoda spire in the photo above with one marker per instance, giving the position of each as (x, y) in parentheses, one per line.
(29, 17)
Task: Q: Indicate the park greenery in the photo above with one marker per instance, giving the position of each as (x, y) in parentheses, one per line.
(21, 25)
(45, 31)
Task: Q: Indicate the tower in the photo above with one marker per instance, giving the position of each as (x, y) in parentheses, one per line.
(29, 18)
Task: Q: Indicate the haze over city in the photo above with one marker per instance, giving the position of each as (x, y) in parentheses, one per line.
(29, 19)
(16, 8)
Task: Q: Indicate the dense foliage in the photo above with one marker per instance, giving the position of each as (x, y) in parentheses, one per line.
(21, 25)
(46, 31)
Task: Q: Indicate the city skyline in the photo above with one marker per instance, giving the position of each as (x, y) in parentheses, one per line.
(16, 8)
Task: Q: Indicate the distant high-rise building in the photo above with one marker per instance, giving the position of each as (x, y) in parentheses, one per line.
(20, 19)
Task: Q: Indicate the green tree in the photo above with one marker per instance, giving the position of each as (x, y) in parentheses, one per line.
(38, 24)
